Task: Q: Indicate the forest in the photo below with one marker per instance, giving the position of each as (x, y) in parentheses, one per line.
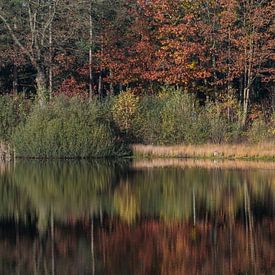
(73, 73)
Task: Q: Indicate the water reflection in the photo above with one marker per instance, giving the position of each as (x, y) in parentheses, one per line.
(136, 218)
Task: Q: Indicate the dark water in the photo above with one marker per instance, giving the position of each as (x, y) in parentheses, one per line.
(118, 218)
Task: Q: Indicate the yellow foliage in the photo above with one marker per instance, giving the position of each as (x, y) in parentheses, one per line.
(192, 65)
(126, 204)
(124, 109)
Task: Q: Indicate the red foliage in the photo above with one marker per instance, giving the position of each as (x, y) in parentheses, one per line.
(70, 87)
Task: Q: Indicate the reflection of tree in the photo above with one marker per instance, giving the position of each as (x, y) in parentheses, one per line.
(168, 221)
(33, 254)
(80, 189)
(69, 189)
(180, 195)
(149, 247)
(174, 249)
(125, 203)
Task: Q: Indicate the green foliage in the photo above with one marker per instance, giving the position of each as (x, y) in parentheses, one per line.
(147, 123)
(13, 110)
(260, 130)
(175, 117)
(221, 126)
(74, 127)
(66, 128)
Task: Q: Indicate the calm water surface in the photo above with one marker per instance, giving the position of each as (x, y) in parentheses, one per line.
(133, 218)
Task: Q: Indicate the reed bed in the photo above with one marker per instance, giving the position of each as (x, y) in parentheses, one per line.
(264, 151)
(199, 163)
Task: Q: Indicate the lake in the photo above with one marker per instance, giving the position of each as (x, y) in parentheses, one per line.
(137, 217)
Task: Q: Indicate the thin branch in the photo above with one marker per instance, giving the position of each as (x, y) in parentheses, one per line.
(16, 40)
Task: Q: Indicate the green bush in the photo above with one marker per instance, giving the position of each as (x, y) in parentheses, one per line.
(147, 123)
(167, 118)
(73, 127)
(259, 131)
(175, 117)
(13, 110)
(67, 128)
(219, 127)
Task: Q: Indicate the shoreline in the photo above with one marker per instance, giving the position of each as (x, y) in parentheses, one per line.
(242, 152)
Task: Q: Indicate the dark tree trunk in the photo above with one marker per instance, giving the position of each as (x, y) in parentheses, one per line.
(273, 98)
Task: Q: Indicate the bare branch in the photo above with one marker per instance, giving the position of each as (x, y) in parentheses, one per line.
(16, 40)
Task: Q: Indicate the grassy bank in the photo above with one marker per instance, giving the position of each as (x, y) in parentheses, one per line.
(263, 151)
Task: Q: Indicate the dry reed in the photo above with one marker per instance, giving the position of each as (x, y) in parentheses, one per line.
(218, 151)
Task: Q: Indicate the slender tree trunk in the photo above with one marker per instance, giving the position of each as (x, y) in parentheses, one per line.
(273, 98)
(111, 82)
(249, 55)
(15, 70)
(51, 57)
(100, 85)
(247, 88)
(15, 78)
(91, 53)
(41, 86)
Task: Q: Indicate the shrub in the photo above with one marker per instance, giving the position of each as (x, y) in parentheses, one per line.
(13, 110)
(221, 122)
(147, 123)
(66, 128)
(260, 131)
(124, 110)
(174, 117)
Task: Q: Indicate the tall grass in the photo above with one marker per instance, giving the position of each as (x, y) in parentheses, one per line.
(218, 151)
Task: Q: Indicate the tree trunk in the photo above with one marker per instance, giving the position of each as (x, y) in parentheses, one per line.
(99, 84)
(41, 86)
(15, 79)
(111, 82)
(246, 93)
(91, 54)
(273, 98)
(51, 56)
(15, 70)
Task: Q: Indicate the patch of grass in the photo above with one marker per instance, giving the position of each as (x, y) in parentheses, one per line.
(264, 151)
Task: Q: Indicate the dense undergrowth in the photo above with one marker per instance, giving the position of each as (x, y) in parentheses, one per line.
(74, 127)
